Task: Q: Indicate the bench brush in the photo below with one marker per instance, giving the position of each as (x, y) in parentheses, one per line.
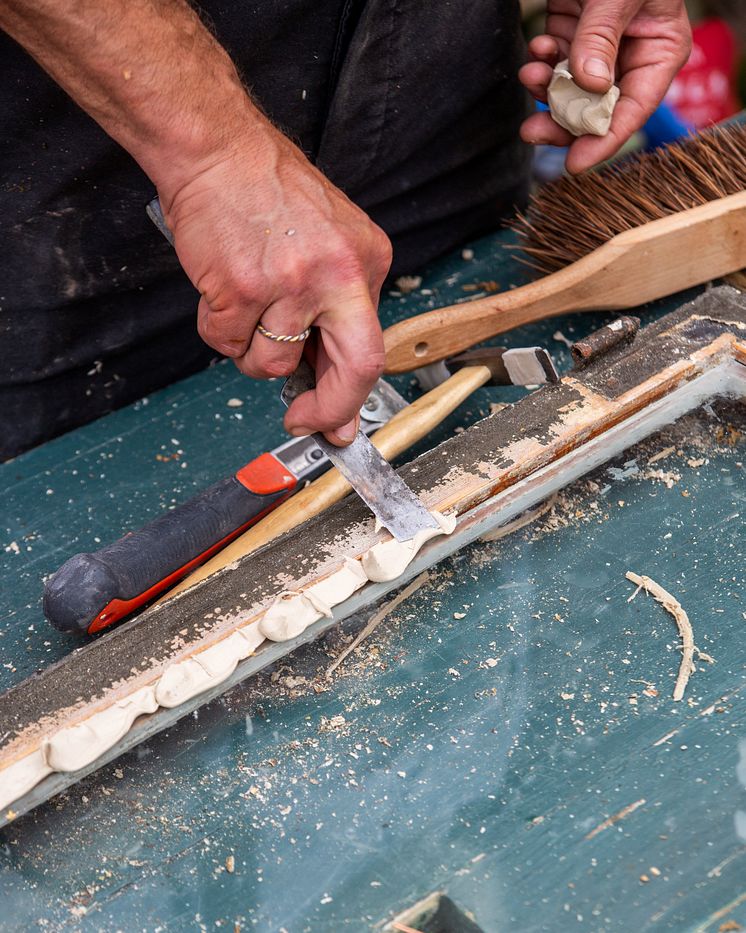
(632, 232)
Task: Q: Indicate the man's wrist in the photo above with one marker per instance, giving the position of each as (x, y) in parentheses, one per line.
(178, 154)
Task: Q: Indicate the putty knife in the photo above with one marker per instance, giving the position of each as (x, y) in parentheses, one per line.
(374, 479)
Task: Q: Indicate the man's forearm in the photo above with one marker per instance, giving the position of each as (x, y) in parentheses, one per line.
(147, 71)
(234, 189)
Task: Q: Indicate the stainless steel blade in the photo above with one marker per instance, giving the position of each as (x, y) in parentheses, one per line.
(379, 486)
(382, 404)
(373, 478)
(303, 457)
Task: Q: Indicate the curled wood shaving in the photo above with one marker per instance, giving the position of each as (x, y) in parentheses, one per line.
(378, 617)
(530, 515)
(672, 605)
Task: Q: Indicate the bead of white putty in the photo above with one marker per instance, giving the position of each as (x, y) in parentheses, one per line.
(579, 111)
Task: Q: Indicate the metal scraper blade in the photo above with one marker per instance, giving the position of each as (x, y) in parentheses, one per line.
(370, 475)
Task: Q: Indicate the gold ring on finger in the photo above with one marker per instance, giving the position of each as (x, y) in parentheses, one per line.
(283, 338)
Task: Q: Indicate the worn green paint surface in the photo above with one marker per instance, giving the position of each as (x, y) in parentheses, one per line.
(474, 755)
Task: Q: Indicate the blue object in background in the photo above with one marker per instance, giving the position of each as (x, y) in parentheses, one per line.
(663, 127)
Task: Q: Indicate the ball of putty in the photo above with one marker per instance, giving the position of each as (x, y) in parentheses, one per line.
(577, 110)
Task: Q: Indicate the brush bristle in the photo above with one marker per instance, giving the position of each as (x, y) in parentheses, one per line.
(569, 218)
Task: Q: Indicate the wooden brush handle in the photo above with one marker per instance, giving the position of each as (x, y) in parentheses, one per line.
(640, 265)
(402, 431)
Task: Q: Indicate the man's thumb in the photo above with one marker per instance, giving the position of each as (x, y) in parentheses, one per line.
(594, 48)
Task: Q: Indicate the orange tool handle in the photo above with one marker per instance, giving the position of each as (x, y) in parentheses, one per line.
(94, 590)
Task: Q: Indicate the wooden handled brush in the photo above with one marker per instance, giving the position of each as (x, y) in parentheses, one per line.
(617, 238)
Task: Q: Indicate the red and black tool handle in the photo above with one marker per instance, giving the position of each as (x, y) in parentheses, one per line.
(92, 591)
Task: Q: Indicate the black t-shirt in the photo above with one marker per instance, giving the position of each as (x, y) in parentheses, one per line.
(411, 107)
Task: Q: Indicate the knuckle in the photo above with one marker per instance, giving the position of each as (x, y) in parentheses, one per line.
(245, 367)
(247, 285)
(220, 336)
(258, 368)
(331, 418)
(685, 48)
(293, 274)
(371, 366)
(203, 327)
(601, 38)
(214, 338)
(383, 249)
(233, 348)
(234, 283)
(344, 258)
(271, 369)
(208, 285)
(602, 46)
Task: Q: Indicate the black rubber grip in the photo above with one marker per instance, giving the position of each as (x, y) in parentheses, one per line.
(85, 585)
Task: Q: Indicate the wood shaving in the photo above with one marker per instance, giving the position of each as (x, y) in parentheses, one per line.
(674, 607)
(622, 814)
(489, 286)
(378, 617)
(560, 338)
(531, 515)
(661, 455)
(495, 407)
(408, 283)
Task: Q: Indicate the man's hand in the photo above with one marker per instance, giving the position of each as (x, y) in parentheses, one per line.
(643, 42)
(259, 231)
(264, 236)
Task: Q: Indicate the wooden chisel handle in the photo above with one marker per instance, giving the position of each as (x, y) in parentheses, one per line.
(401, 432)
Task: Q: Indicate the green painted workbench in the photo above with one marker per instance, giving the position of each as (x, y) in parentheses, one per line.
(507, 736)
